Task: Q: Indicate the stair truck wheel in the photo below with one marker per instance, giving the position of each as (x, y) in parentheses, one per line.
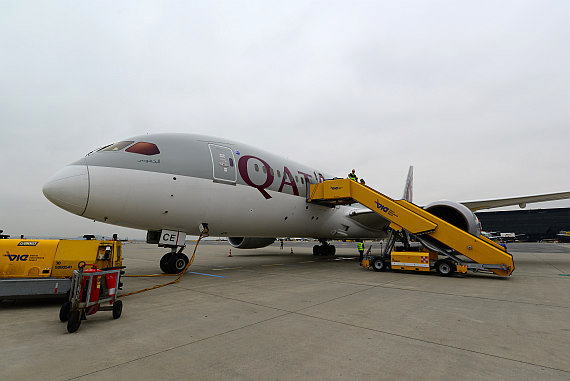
(444, 267)
(378, 264)
(74, 321)
(117, 309)
(64, 311)
(177, 263)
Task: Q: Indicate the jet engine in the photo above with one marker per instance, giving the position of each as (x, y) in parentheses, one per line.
(250, 242)
(456, 214)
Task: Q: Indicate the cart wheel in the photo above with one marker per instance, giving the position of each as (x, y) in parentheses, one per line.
(74, 321)
(64, 311)
(117, 309)
(444, 267)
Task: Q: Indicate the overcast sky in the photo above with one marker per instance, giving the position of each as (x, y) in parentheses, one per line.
(474, 94)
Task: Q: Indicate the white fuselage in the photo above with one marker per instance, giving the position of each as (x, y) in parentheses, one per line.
(154, 201)
(187, 180)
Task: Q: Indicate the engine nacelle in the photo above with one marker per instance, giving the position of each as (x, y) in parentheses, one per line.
(250, 242)
(456, 214)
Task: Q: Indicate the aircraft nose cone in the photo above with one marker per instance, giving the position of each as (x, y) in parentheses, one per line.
(69, 188)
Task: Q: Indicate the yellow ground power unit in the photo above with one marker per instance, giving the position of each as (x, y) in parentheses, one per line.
(44, 267)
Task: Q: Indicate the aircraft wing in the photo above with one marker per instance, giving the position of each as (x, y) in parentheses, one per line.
(520, 201)
(478, 205)
(369, 218)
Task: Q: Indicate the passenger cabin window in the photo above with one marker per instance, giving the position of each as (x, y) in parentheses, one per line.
(117, 146)
(264, 170)
(271, 171)
(256, 167)
(278, 173)
(144, 148)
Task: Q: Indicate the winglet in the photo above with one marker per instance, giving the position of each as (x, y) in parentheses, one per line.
(408, 188)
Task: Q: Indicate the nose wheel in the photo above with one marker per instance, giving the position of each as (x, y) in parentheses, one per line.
(173, 263)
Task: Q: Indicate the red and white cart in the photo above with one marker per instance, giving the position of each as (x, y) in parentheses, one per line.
(91, 290)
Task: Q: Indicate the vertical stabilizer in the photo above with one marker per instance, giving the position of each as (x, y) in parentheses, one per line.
(408, 188)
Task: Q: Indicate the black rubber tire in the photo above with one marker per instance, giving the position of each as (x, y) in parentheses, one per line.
(177, 263)
(74, 321)
(378, 264)
(444, 267)
(117, 309)
(164, 262)
(64, 312)
(331, 250)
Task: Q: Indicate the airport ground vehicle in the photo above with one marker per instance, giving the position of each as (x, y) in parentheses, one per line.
(445, 246)
(92, 290)
(41, 268)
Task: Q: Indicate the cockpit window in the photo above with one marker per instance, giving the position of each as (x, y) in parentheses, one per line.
(144, 149)
(117, 146)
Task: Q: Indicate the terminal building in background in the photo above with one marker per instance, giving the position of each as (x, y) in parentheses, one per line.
(535, 224)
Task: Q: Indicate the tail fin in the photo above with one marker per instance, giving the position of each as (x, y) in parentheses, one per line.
(408, 188)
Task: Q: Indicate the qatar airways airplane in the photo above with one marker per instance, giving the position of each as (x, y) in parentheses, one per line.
(177, 184)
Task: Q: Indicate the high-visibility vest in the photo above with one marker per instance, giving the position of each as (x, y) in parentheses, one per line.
(360, 246)
(352, 176)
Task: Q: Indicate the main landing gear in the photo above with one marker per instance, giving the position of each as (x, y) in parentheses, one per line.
(174, 262)
(324, 249)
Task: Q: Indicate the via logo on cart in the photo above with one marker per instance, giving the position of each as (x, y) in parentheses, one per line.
(14, 257)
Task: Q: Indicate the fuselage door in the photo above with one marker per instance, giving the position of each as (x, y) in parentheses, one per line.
(224, 164)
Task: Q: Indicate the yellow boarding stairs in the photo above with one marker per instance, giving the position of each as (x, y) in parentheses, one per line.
(436, 234)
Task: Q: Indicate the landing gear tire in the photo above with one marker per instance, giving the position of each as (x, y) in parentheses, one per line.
(177, 263)
(444, 267)
(117, 309)
(164, 262)
(325, 250)
(64, 312)
(379, 264)
(74, 321)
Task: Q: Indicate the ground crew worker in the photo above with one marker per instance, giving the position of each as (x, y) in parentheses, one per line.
(362, 182)
(352, 176)
(361, 251)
